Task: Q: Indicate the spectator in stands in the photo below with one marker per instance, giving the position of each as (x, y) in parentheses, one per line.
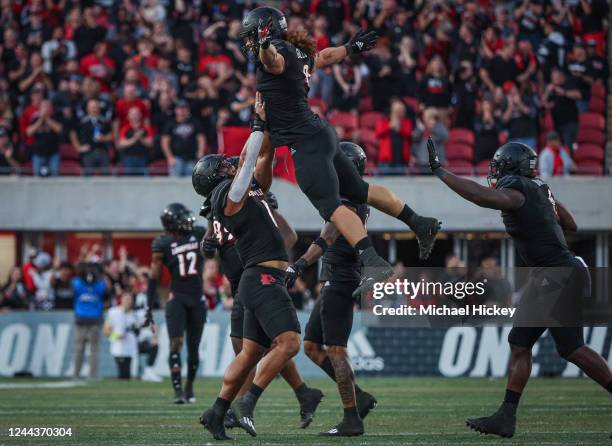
(135, 143)
(183, 141)
(431, 125)
(56, 51)
(41, 275)
(498, 290)
(130, 100)
(43, 132)
(347, 83)
(520, 116)
(242, 104)
(501, 68)
(552, 50)
(464, 95)
(561, 97)
(99, 66)
(26, 271)
(61, 283)
(213, 283)
(554, 159)
(90, 293)
(435, 90)
(88, 33)
(528, 15)
(597, 63)
(184, 67)
(120, 327)
(486, 129)
(581, 73)
(526, 62)
(13, 294)
(92, 140)
(8, 164)
(383, 72)
(408, 61)
(394, 136)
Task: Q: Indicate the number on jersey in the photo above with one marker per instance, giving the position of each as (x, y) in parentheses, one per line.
(190, 259)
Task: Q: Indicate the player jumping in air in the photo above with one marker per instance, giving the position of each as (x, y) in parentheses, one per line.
(331, 319)
(285, 62)
(178, 249)
(220, 239)
(271, 325)
(535, 221)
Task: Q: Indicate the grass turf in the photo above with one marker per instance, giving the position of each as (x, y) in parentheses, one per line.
(420, 411)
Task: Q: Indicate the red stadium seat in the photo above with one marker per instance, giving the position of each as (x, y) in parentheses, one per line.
(482, 169)
(460, 167)
(366, 104)
(591, 121)
(26, 168)
(158, 168)
(368, 139)
(413, 103)
(589, 152)
(70, 167)
(68, 152)
(590, 136)
(589, 168)
(598, 90)
(459, 135)
(459, 152)
(348, 121)
(232, 139)
(597, 105)
(368, 120)
(318, 102)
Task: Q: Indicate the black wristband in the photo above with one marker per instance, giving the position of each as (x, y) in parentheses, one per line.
(440, 172)
(349, 48)
(258, 124)
(321, 243)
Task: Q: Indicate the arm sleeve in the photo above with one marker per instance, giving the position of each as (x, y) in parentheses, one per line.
(242, 182)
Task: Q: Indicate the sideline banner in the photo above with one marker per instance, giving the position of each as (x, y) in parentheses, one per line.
(43, 343)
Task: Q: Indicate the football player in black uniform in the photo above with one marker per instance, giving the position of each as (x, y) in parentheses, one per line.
(331, 319)
(285, 62)
(271, 325)
(535, 221)
(220, 239)
(178, 249)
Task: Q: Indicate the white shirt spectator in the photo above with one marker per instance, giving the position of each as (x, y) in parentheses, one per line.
(546, 162)
(123, 341)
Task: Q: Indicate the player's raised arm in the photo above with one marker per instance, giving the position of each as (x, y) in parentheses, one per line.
(501, 199)
(265, 163)
(241, 184)
(272, 60)
(360, 42)
(157, 264)
(566, 218)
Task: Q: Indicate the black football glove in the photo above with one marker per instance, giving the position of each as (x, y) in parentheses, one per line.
(208, 246)
(294, 271)
(264, 33)
(258, 124)
(434, 161)
(148, 320)
(272, 200)
(361, 41)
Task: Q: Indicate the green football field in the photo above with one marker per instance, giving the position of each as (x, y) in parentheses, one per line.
(415, 411)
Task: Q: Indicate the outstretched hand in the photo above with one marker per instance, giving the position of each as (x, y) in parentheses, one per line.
(361, 41)
(434, 160)
(264, 33)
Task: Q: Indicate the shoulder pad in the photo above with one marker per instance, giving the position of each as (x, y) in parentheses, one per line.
(511, 182)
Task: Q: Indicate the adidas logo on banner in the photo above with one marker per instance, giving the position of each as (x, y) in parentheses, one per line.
(363, 355)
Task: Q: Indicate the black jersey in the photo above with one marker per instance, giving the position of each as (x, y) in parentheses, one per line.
(230, 260)
(286, 97)
(535, 227)
(341, 262)
(257, 236)
(181, 255)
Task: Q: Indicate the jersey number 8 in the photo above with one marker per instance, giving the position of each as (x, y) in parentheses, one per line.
(307, 76)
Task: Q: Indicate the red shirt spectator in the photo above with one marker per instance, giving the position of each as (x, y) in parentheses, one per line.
(213, 63)
(30, 113)
(99, 66)
(130, 100)
(394, 135)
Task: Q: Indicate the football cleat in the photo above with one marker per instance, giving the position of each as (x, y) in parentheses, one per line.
(346, 428)
(365, 403)
(244, 414)
(179, 398)
(308, 406)
(188, 395)
(425, 229)
(230, 420)
(214, 424)
(502, 423)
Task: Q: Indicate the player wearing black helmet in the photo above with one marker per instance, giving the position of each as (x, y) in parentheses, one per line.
(536, 222)
(329, 326)
(218, 239)
(178, 250)
(285, 61)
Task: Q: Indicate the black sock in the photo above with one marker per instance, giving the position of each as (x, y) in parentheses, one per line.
(609, 387)
(301, 390)
(221, 406)
(192, 369)
(512, 397)
(407, 215)
(363, 244)
(328, 368)
(174, 361)
(252, 395)
(351, 412)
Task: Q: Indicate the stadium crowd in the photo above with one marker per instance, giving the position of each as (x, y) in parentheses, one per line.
(147, 87)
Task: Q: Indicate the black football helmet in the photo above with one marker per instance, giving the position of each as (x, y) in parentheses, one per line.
(258, 16)
(355, 153)
(177, 218)
(513, 158)
(208, 172)
(233, 160)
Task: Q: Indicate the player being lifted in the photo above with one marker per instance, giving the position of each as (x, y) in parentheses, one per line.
(331, 319)
(536, 222)
(178, 249)
(220, 239)
(270, 321)
(285, 62)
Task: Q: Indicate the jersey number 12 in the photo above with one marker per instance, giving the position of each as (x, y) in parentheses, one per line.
(191, 258)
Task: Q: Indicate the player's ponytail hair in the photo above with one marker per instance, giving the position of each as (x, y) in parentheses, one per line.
(303, 41)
